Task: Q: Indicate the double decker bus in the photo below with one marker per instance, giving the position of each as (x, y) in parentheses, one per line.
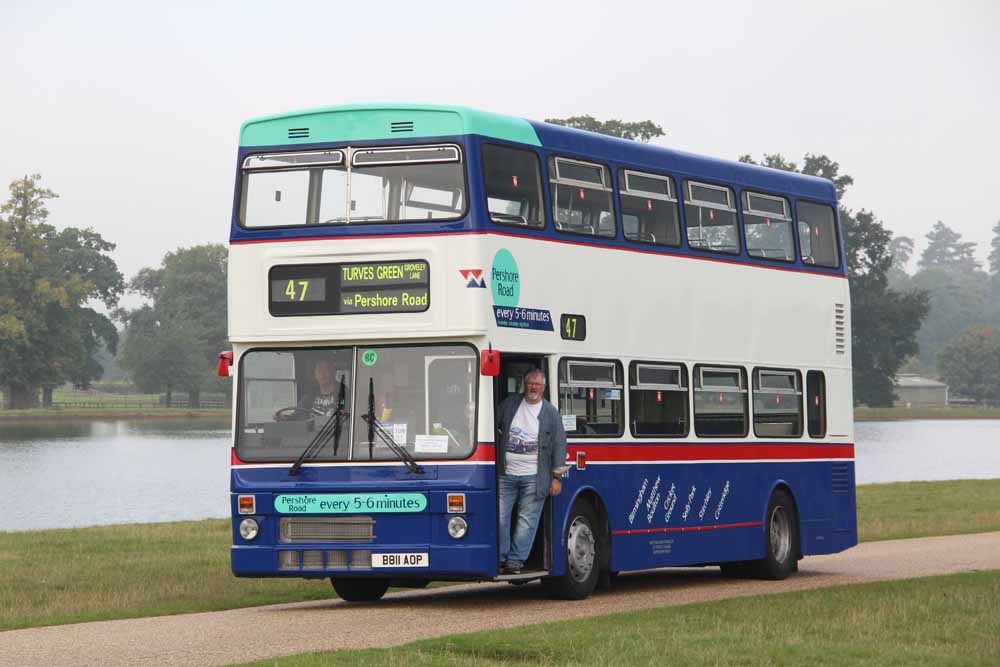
(395, 270)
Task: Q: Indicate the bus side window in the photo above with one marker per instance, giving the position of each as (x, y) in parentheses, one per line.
(590, 391)
(649, 208)
(817, 234)
(658, 399)
(720, 402)
(581, 197)
(710, 218)
(777, 403)
(816, 403)
(767, 221)
(513, 186)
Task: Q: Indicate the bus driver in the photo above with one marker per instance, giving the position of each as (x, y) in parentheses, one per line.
(531, 453)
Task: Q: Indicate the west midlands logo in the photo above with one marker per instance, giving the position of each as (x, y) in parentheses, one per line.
(473, 278)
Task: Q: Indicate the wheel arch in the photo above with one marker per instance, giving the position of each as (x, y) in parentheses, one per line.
(590, 494)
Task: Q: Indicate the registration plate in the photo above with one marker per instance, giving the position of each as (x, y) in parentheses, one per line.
(400, 560)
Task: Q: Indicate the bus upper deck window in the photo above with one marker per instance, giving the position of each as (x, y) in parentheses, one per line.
(581, 197)
(649, 208)
(513, 186)
(817, 234)
(279, 189)
(767, 221)
(391, 184)
(710, 217)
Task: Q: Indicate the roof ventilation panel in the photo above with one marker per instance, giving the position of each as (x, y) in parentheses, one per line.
(298, 133)
(401, 126)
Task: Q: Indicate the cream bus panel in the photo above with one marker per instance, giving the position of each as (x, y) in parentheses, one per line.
(454, 307)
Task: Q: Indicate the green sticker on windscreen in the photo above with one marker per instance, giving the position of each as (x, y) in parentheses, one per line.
(369, 357)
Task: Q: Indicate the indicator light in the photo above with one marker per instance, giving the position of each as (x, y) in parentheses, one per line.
(247, 504)
(456, 503)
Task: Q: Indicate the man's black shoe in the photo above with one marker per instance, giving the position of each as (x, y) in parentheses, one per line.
(510, 568)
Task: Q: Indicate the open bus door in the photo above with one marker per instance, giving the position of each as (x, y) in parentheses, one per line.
(513, 368)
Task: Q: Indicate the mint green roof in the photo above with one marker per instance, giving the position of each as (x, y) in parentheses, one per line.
(363, 122)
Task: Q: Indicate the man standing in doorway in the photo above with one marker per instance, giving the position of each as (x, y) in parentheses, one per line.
(532, 459)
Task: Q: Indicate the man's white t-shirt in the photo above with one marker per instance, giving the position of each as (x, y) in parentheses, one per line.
(522, 441)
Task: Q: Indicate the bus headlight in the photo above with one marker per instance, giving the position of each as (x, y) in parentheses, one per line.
(457, 527)
(249, 529)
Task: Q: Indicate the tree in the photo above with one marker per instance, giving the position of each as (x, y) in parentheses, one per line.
(970, 364)
(901, 249)
(48, 335)
(959, 290)
(994, 257)
(642, 130)
(884, 322)
(946, 250)
(173, 341)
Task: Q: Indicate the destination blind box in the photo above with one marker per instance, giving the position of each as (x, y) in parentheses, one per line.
(352, 288)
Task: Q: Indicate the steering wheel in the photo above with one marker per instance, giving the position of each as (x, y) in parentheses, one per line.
(291, 413)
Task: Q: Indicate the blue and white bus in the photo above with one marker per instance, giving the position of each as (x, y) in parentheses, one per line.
(394, 271)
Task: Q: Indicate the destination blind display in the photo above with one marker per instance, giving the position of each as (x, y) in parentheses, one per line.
(349, 288)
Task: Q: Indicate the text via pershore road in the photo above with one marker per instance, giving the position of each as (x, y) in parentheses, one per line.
(350, 503)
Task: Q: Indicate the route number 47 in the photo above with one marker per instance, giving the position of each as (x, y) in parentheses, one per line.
(572, 327)
(290, 290)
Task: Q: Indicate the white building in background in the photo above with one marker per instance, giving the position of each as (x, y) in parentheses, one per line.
(914, 390)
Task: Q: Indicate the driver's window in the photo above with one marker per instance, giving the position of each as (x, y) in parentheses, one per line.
(269, 381)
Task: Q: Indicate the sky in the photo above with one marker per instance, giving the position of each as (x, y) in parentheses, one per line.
(130, 111)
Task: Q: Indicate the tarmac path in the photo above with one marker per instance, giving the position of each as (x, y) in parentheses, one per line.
(256, 633)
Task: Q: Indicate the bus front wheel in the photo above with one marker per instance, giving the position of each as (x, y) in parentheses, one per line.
(583, 559)
(360, 590)
(781, 539)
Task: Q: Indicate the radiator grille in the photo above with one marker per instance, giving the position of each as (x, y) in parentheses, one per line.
(841, 474)
(312, 560)
(298, 133)
(361, 560)
(840, 328)
(298, 530)
(336, 560)
(401, 126)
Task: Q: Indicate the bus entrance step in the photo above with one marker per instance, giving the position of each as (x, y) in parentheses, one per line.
(525, 576)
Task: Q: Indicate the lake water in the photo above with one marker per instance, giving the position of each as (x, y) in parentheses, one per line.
(62, 474)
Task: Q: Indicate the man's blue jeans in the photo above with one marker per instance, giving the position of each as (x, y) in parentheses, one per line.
(518, 490)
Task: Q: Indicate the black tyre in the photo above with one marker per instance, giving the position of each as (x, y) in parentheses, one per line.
(781, 535)
(736, 569)
(360, 590)
(584, 541)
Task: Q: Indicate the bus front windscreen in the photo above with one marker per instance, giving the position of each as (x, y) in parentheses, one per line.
(422, 397)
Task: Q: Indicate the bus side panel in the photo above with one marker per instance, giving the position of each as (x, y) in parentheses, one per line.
(691, 514)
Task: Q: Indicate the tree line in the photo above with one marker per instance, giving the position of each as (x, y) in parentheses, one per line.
(50, 333)
(945, 317)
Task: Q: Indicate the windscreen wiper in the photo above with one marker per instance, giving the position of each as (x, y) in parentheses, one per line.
(331, 427)
(377, 430)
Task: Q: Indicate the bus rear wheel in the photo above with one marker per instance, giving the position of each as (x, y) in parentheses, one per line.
(360, 590)
(781, 539)
(583, 558)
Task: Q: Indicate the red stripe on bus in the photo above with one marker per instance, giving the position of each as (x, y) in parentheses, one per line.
(643, 251)
(714, 452)
(484, 452)
(687, 529)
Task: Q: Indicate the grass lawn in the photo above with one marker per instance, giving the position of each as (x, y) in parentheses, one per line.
(896, 414)
(61, 576)
(919, 509)
(49, 577)
(951, 620)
